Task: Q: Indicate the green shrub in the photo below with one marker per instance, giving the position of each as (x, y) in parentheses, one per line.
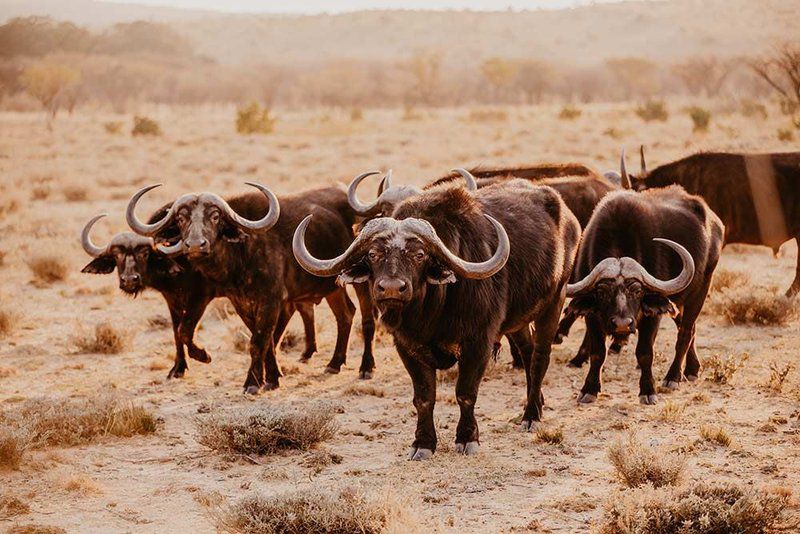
(653, 110)
(145, 126)
(254, 119)
(701, 118)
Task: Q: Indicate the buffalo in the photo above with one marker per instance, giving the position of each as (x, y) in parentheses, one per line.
(446, 304)
(757, 196)
(626, 280)
(241, 247)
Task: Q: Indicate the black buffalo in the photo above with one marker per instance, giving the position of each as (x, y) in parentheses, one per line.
(241, 247)
(445, 303)
(626, 280)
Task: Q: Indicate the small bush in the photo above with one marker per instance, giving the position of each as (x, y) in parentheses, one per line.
(48, 267)
(106, 339)
(11, 505)
(569, 113)
(752, 109)
(785, 134)
(726, 279)
(777, 376)
(145, 126)
(40, 192)
(653, 110)
(701, 118)
(14, 441)
(33, 528)
(356, 114)
(487, 115)
(113, 127)
(411, 114)
(314, 512)
(671, 412)
(636, 464)
(553, 436)
(700, 509)
(267, 429)
(721, 370)
(253, 119)
(75, 193)
(613, 133)
(9, 203)
(7, 321)
(748, 305)
(358, 390)
(715, 434)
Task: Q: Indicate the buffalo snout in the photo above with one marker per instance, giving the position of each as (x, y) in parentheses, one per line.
(391, 289)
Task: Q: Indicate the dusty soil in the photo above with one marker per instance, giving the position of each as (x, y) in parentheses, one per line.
(162, 482)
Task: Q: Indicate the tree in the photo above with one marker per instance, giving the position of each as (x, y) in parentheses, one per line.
(47, 82)
(425, 69)
(500, 73)
(781, 71)
(636, 76)
(534, 78)
(706, 75)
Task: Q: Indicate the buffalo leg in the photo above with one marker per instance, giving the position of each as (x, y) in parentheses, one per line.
(524, 343)
(423, 378)
(545, 330)
(180, 366)
(195, 309)
(583, 352)
(471, 367)
(516, 353)
(367, 330)
(565, 325)
(306, 311)
(648, 329)
(284, 317)
(686, 333)
(597, 350)
(263, 371)
(344, 310)
(692, 366)
(795, 287)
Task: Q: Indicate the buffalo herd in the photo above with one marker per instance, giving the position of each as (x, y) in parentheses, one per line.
(454, 266)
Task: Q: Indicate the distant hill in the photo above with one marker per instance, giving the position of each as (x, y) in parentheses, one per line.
(662, 31)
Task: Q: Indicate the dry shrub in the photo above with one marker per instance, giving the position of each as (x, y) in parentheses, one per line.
(752, 109)
(727, 279)
(82, 484)
(777, 375)
(14, 441)
(715, 434)
(553, 436)
(254, 119)
(358, 390)
(33, 528)
(569, 113)
(145, 126)
(267, 429)
(700, 509)
(48, 267)
(319, 460)
(11, 505)
(576, 503)
(671, 412)
(487, 115)
(106, 339)
(637, 465)
(701, 118)
(7, 321)
(748, 305)
(721, 370)
(9, 203)
(356, 114)
(40, 192)
(785, 134)
(653, 110)
(346, 511)
(65, 422)
(75, 193)
(411, 114)
(113, 127)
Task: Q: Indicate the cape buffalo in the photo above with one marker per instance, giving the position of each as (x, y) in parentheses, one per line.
(757, 196)
(242, 248)
(445, 303)
(626, 281)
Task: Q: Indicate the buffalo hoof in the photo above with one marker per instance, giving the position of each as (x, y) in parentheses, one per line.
(306, 356)
(269, 386)
(586, 398)
(468, 449)
(670, 384)
(692, 378)
(528, 425)
(419, 454)
(252, 390)
(200, 355)
(614, 349)
(175, 373)
(575, 364)
(332, 370)
(304, 359)
(648, 399)
(365, 375)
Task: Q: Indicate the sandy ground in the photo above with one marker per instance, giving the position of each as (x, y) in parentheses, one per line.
(159, 482)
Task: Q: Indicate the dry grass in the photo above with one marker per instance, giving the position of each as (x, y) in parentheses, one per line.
(360, 390)
(48, 267)
(702, 509)
(727, 279)
(106, 339)
(267, 429)
(752, 305)
(346, 511)
(11, 505)
(14, 441)
(40, 192)
(7, 322)
(715, 434)
(487, 115)
(777, 376)
(33, 528)
(83, 485)
(721, 369)
(553, 436)
(671, 412)
(636, 464)
(75, 193)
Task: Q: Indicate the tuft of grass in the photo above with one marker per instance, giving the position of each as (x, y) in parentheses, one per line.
(145, 126)
(14, 441)
(319, 460)
(653, 110)
(637, 465)
(11, 505)
(726, 279)
(751, 109)
(411, 114)
(267, 429)
(75, 193)
(33, 528)
(702, 508)
(777, 376)
(671, 412)
(576, 503)
(113, 127)
(569, 113)
(715, 434)
(40, 192)
(48, 267)
(701, 118)
(553, 436)
(356, 114)
(613, 133)
(721, 370)
(9, 203)
(748, 305)
(106, 339)
(254, 119)
(7, 321)
(487, 115)
(785, 134)
(315, 511)
(82, 484)
(358, 390)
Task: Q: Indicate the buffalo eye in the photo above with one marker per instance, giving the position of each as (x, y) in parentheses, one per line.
(181, 218)
(142, 254)
(373, 256)
(214, 217)
(419, 256)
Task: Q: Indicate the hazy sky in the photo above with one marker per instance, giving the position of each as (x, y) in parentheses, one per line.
(335, 6)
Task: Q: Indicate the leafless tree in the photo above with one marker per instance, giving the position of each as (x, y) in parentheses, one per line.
(706, 74)
(781, 71)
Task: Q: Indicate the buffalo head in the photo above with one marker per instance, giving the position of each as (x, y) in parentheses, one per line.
(626, 180)
(204, 220)
(399, 258)
(619, 291)
(389, 196)
(135, 257)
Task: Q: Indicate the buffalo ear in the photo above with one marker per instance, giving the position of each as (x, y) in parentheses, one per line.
(580, 306)
(438, 275)
(353, 275)
(100, 265)
(233, 234)
(654, 305)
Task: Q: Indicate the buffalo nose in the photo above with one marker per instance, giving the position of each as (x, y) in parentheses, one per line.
(622, 325)
(392, 288)
(198, 244)
(131, 278)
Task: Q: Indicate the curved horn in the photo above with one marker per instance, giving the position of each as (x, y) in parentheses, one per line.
(138, 226)
(360, 208)
(589, 281)
(472, 184)
(642, 163)
(266, 222)
(171, 250)
(475, 270)
(86, 240)
(680, 282)
(335, 265)
(626, 180)
(386, 183)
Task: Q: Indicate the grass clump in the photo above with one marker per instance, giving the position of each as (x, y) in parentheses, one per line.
(75, 193)
(701, 118)
(14, 441)
(727, 279)
(33, 528)
(48, 267)
(569, 113)
(777, 376)
(700, 509)
(715, 434)
(113, 127)
(106, 339)
(11, 505)
(254, 119)
(553, 436)
(346, 511)
(265, 430)
(7, 321)
(758, 306)
(637, 465)
(653, 110)
(721, 370)
(359, 390)
(785, 134)
(145, 126)
(487, 115)
(671, 412)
